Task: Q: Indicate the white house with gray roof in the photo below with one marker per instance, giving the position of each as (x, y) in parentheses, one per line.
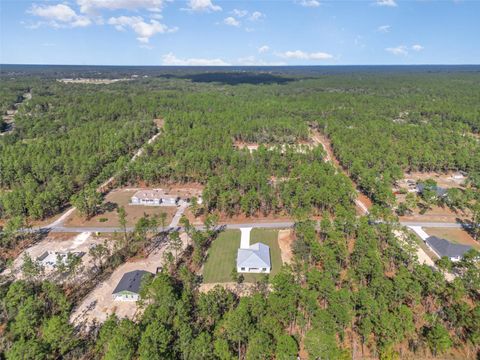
(128, 289)
(442, 247)
(252, 258)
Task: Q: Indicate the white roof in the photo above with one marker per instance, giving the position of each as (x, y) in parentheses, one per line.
(154, 194)
(256, 256)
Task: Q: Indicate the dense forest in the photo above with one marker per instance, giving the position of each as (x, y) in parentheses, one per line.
(66, 138)
(352, 289)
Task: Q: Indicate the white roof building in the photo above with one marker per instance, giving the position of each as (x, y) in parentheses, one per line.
(154, 197)
(252, 258)
(50, 259)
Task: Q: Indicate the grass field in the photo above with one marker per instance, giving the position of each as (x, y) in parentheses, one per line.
(222, 255)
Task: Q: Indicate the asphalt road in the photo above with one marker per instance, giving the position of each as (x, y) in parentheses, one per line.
(434, 224)
(264, 225)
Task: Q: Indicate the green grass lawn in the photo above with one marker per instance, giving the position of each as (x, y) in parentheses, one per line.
(222, 255)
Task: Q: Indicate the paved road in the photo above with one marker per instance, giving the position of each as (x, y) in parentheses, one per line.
(264, 225)
(268, 225)
(434, 224)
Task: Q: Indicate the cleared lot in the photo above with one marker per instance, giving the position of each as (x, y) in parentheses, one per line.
(98, 305)
(59, 242)
(109, 218)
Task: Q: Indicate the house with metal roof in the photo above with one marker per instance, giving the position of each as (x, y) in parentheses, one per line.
(155, 197)
(438, 190)
(128, 289)
(252, 258)
(443, 247)
(51, 259)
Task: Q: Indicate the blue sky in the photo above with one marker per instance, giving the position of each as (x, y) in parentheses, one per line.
(214, 32)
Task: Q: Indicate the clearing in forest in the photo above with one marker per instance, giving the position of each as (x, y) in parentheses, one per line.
(222, 255)
(109, 217)
(62, 243)
(444, 180)
(99, 303)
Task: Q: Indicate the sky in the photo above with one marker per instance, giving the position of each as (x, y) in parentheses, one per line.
(262, 32)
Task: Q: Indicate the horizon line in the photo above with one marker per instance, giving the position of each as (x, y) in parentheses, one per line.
(243, 66)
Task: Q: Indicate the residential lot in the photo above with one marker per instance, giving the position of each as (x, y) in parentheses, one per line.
(457, 236)
(99, 304)
(60, 242)
(436, 214)
(222, 255)
(445, 180)
(109, 218)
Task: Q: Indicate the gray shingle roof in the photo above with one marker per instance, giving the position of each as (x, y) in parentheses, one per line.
(256, 256)
(131, 281)
(445, 248)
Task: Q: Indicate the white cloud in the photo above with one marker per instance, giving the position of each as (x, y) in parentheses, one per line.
(143, 29)
(417, 47)
(202, 5)
(231, 21)
(239, 13)
(263, 49)
(59, 15)
(172, 60)
(256, 15)
(390, 3)
(400, 50)
(308, 3)
(384, 28)
(90, 6)
(301, 55)
(253, 61)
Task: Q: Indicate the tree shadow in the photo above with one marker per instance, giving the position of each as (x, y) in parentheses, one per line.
(234, 78)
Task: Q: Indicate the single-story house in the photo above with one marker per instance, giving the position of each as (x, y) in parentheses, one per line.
(443, 247)
(50, 259)
(128, 289)
(252, 258)
(154, 197)
(439, 190)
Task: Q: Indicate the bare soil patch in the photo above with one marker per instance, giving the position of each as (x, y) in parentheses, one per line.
(436, 214)
(160, 123)
(243, 145)
(285, 241)
(451, 179)
(241, 218)
(109, 218)
(60, 242)
(458, 236)
(244, 289)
